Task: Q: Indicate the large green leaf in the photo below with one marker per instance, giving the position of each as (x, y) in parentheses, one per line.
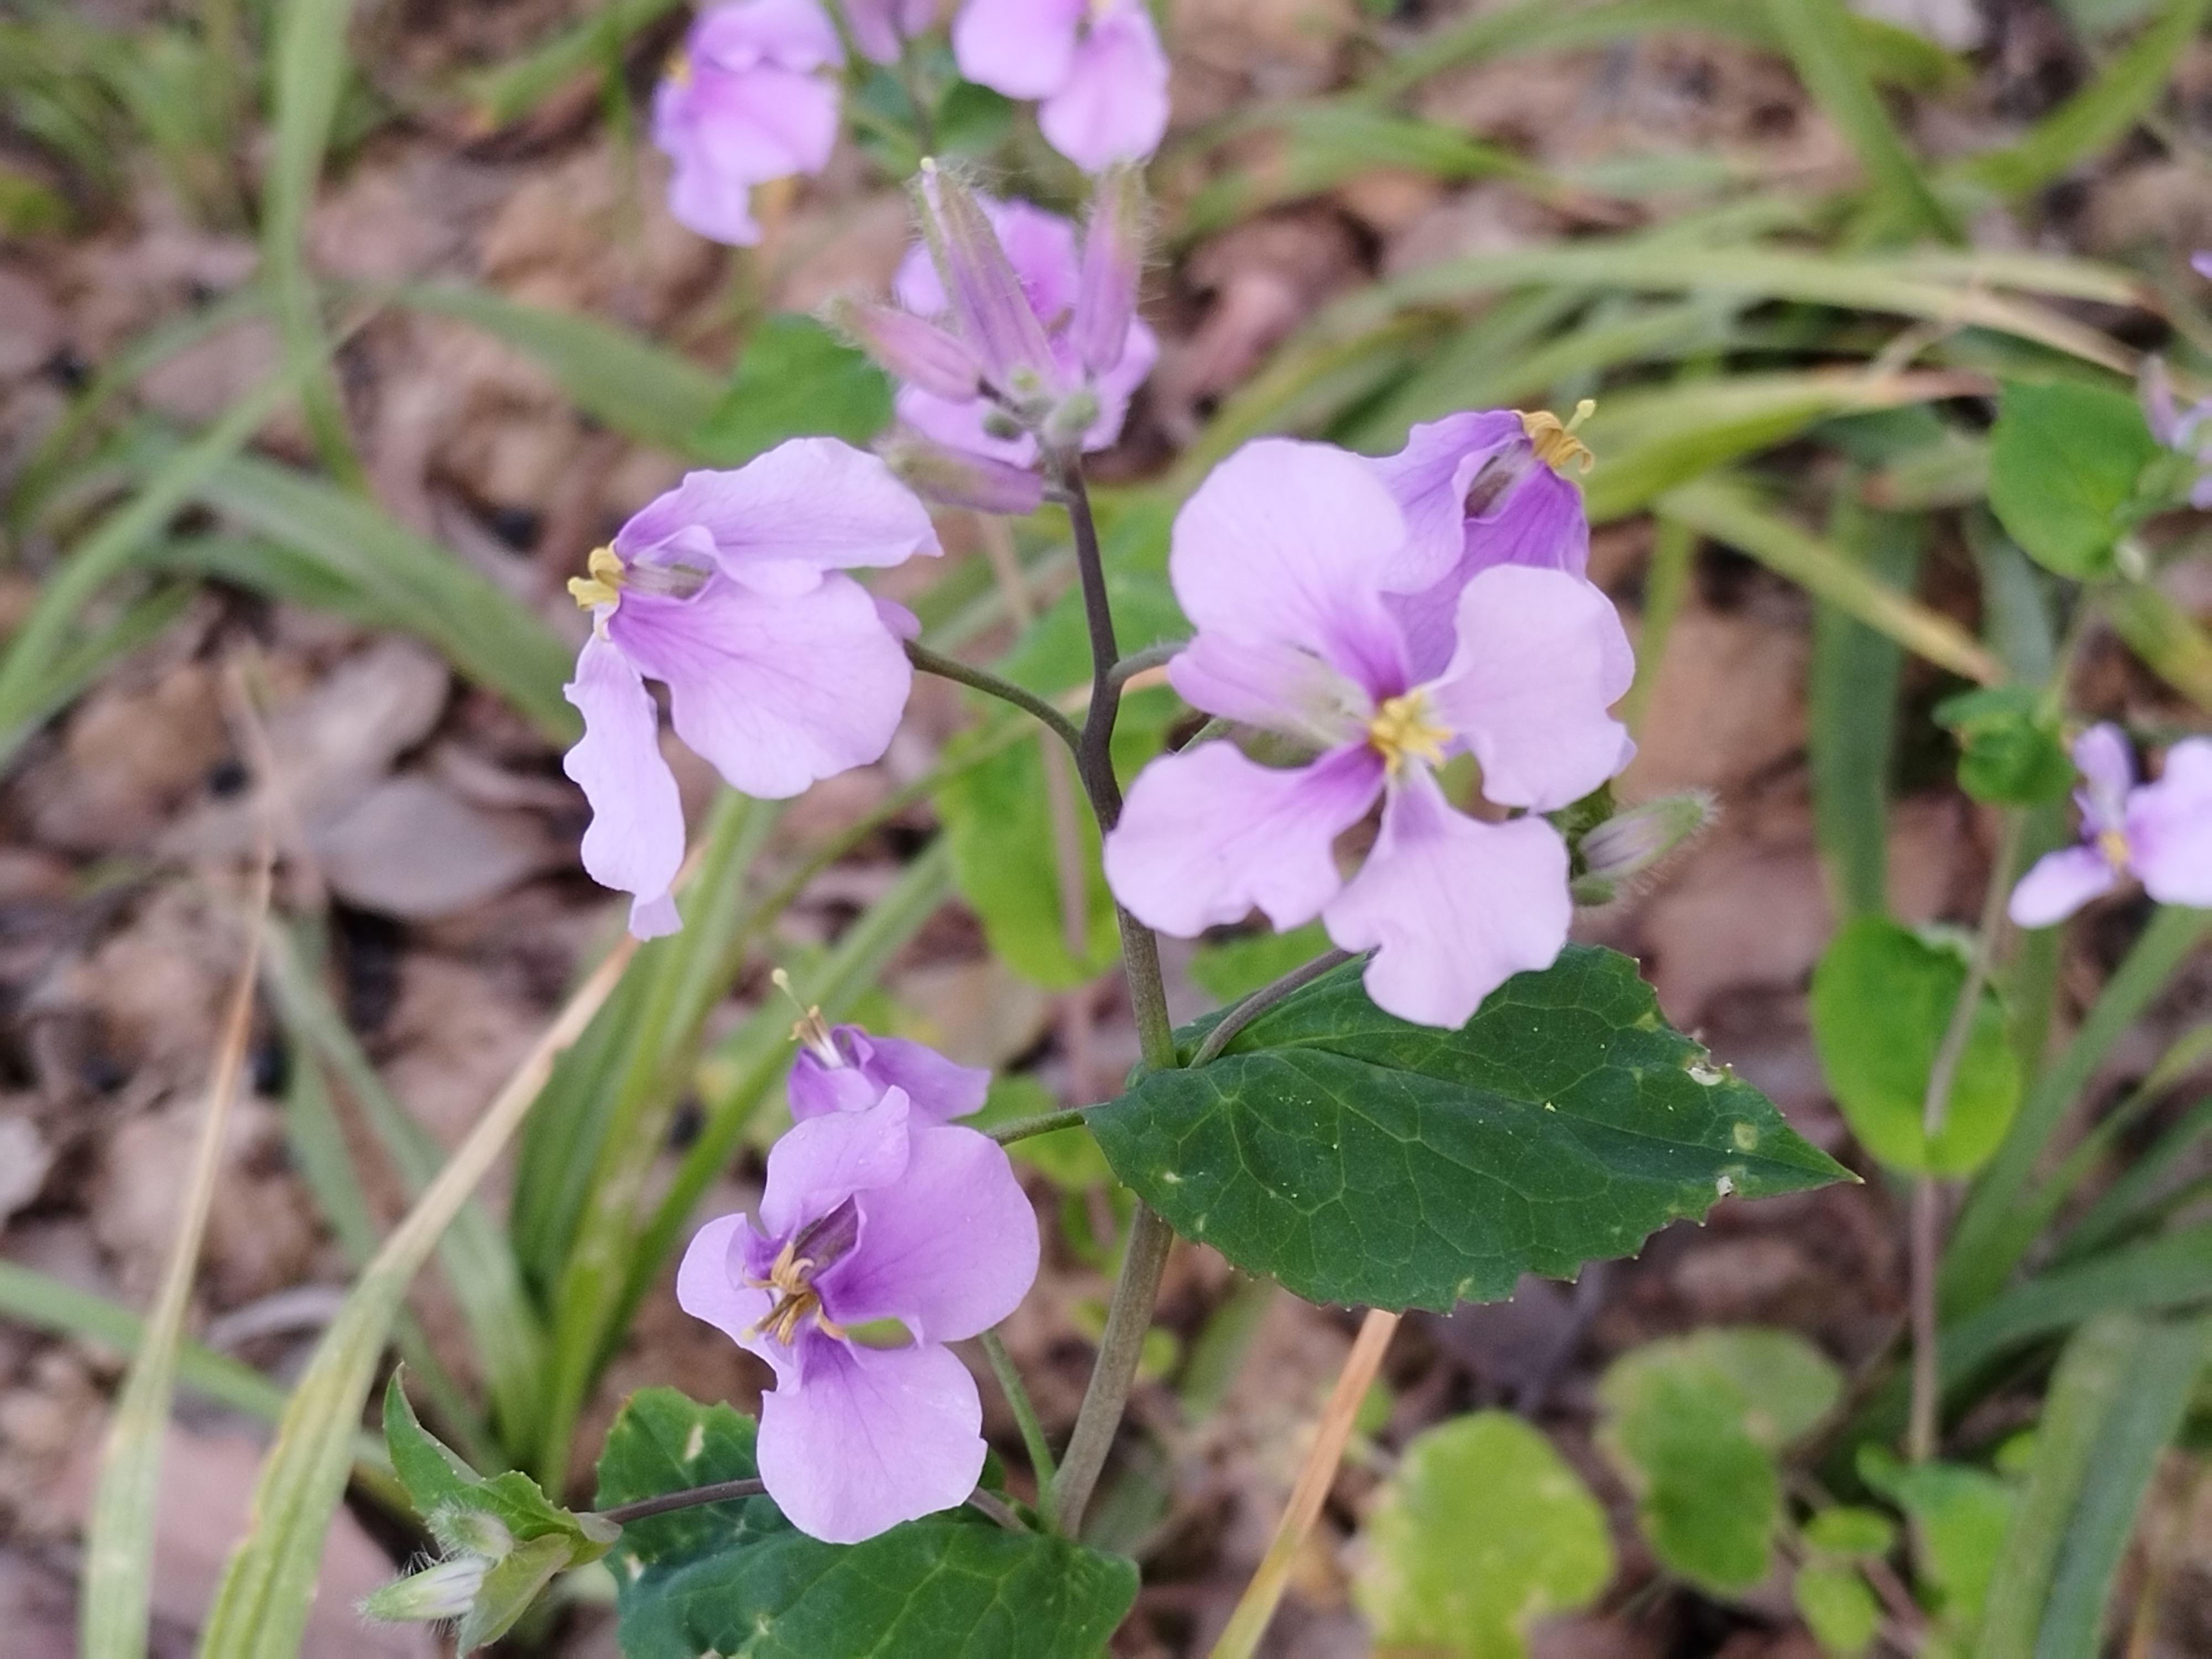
(2064, 462)
(1484, 1529)
(1694, 1424)
(1362, 1159)
(738, 1580)
(1882, 1000)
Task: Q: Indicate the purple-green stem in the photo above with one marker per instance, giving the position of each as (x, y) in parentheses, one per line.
(1926, 1232)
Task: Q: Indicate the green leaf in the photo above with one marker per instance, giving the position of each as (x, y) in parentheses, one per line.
(1882, 998)
(796, 377)
(1694, 1424)
(2009, 752)
(439, 1481)
(1483, 1530)
(2064, 462)
(1846, 1530)
(1959, 1517)
(1839, 1607)
(738, 1580)
(1361, 1159)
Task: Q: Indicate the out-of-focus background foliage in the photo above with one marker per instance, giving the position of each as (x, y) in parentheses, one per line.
(333, 336)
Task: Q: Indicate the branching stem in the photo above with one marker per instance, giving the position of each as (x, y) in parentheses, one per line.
(981, 679)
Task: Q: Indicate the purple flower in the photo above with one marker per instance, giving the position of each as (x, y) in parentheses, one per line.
(2160, 833)
(843, 1069)
(2187, 432)
(870, 1214)
(1097, 66)
(1279, 559)
(1479, 489)
(881, 28)
(1063, 309)
(745, 101)
(780, 669)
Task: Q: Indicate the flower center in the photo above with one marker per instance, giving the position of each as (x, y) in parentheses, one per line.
(1555, 442)
(1401, 726)
(817, 1245)
(679, 68)
(2113, 844)
(810, 1030)
(603, 585)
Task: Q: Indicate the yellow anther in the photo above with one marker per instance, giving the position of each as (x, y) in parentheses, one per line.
(2114, 846)
(603, 585)
(1401, 727)
(679, 68)
(1555, 442)
(796, 1298)
(810, 1028)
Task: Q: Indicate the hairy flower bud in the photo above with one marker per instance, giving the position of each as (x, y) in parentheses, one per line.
(959, 477)
(475, 1542)
(916, 351)
(1631, 843)
(988, 305)
(1112, 255)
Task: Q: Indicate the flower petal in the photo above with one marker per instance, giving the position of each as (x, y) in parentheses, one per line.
(814, 1089)
(1456, 908)
(763, 123)
(1429, 478)
(1541, 658)
(795, 33)
(2108, 772)
(874, 1437)
(710, 1285)
(1112, 106)
(810, 504)
(938, 1088)
(2170, 828)
(776, 692)
(1022, 48)
(2060, 883)
(950, 1248)
(1269, 683)
(636, 840)
(821, 1162)
(1207, 836)
(1287, 541)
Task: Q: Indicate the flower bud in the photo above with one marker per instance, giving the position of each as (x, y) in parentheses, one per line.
(985, 294)
(1071, 419)
(915, 351)
(1112, 255)
(437, 1594)
(1631, 843)
(958, 477)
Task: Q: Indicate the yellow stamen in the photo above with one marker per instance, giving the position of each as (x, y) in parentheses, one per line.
(810, 1028)
(679, 68)
(1555, 443)
(2114, 846)
(603, 585)
(1401, 727)
(796, 1299)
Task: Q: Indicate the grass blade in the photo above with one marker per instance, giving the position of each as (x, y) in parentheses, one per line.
(622, 379)
(27, 673)
(1725, 510)
(2096, 117)
(492, 638)
(307, 70)
(2094, 1373)
(260, 1608)
(118, 1555)
(1817, 35)
(2166, 637)
(1991, 1237)
(1853, 715)
(2140, 1424)
(479, 1266)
